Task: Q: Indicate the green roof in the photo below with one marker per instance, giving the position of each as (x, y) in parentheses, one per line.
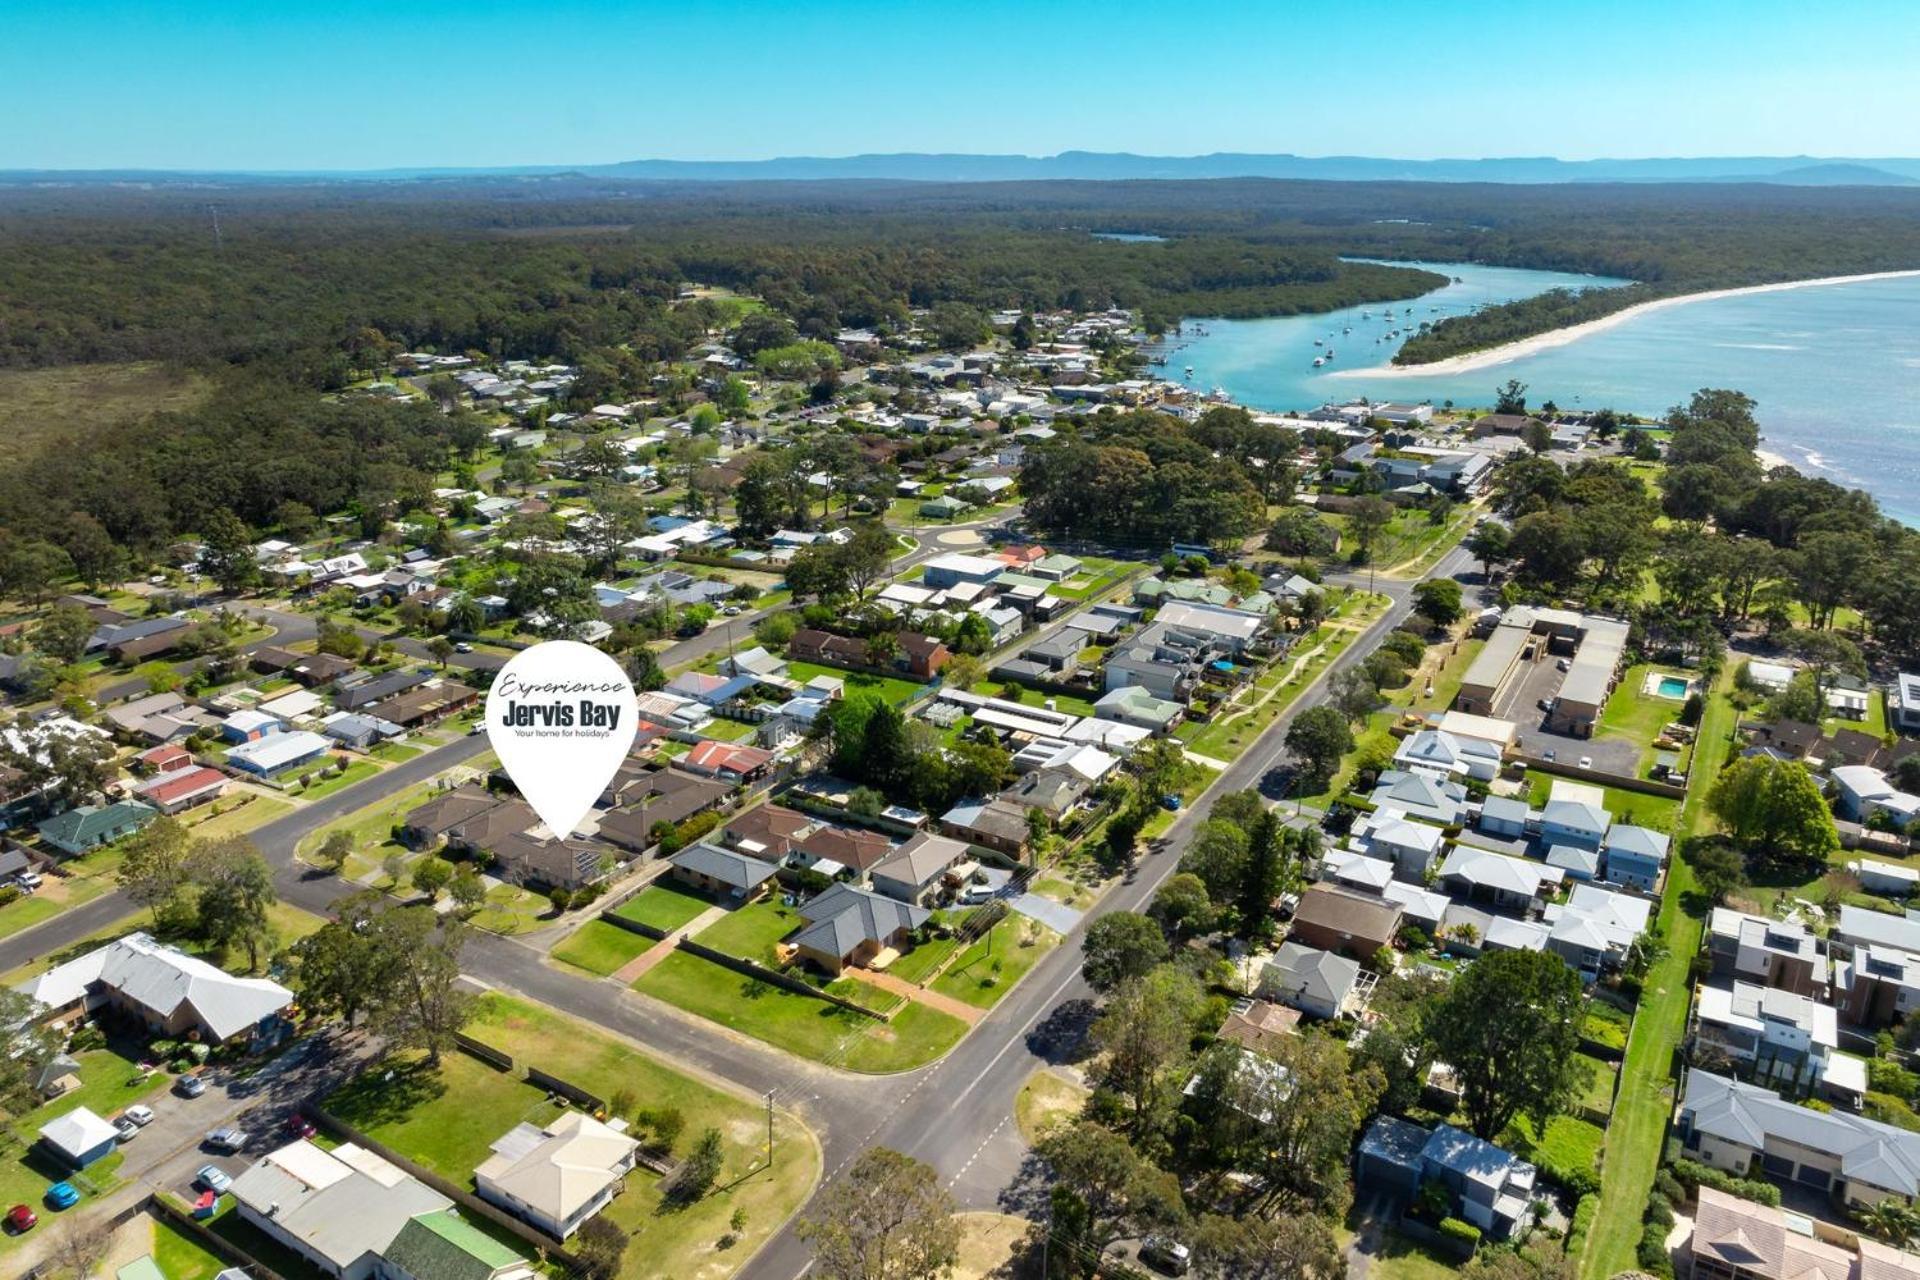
(443, 1246)
(141, 1268)
(88, 824)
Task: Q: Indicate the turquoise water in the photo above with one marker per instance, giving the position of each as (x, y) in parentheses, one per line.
(1672, 687)
(1835, 369)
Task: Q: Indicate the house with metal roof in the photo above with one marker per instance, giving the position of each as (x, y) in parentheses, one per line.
(1635, 856)
(1412, 847)
(918, 869)
(1507, 884)
(340, 1210)
(1491, 1188)
(278, 752)
(445, 1246)
(89, 826)
(1421, 795)
(78, 1138)
(1775, 1037)
(169, 991)
(558, 1175)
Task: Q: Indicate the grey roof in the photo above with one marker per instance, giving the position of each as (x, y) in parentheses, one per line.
(1474, 1159)
(1862, 924)
(162, 979)
(1505, 809)
(844, 917)
(1576, 815)
(1313, 974)
(1647, 843)
(1569, 858)
(345, 1213)
(724, 865)
(1396, 1141)
(922, 858)
(1747, 1114)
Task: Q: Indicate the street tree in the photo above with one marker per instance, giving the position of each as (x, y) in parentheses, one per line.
(1217, 855)
(417, 1002)
(1318, 737)
(1488, 544)
(236, 892)
(153, 867)
(887, 1219)
(1143, 1033)
(1288, 1246)
(1775, 813)
(1121, 945)
(1115, 1193)
(1438, 600)
(334, 850)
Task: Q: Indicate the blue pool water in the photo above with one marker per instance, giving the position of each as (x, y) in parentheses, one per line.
(1672, 687)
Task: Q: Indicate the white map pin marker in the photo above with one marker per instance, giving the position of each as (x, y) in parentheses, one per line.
(561, 717)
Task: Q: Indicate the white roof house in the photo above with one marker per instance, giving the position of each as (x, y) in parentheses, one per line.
(340, 1208)
(171, 989)
(558, 1176)
(278, 750)
(77, 1133)
(1437, 751)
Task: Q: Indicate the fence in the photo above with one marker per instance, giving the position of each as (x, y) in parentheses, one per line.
(219, 1246)
(760, 972)
(1645, 786)
(485, 1052)
(633, 926)
(538, 1239)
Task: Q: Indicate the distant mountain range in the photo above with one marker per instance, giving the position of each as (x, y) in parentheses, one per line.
(1106, 166)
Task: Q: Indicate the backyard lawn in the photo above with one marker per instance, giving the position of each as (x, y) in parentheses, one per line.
(662, 906)
(109, 1083)
(448, 1121)
(1639, 717)
(749, 932)
(180, 1256)
(801, 1024)
(356, 772)
(894, 690)
(987, 970)
(601, 948)
(1630, 807)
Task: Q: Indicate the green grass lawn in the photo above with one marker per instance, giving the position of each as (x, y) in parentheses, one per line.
(180, 1256)
(662, 905)
(987, 970)
(892, 689)
(601, 948)
(749, 932)
(371, 826)
(1875, 723)
(800, 1024)
(1632, 807)
(1645, 1096)
(24, 913)
(1569, 1143)
(1636, 716)
(235, 817)
(109, 1083)
(727, 730)
(1600, 1077)
(447, 1120)
(356, 772)
(1404, 1258)
(394, 752)
(923, 959)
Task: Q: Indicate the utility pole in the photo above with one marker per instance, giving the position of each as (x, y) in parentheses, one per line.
(769, 1128)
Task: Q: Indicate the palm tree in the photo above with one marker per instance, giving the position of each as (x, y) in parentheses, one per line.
(1890, 1221)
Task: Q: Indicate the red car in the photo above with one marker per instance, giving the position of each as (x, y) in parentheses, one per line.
(299, 1126)
(20, 1218)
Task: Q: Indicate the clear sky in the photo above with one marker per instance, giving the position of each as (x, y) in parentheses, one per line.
(351, 84)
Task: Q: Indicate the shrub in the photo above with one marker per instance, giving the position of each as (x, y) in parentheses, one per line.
(11, 893)
(1583, 1216)
(1692, 1174)
(1652, 1253)
(1669, 1188)
(1464, 1234)
(1659, 1211)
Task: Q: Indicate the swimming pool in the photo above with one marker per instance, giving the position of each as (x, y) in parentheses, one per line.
(1672, 687)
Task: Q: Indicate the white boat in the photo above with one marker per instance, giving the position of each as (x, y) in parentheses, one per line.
(1316, 342)
(1348, 329)
(1318, 361)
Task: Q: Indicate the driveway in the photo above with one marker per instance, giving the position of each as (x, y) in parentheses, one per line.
(1055, 915)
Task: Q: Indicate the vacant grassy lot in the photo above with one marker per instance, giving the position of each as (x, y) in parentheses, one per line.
(1047, 1099)
(749, 932)
(447, 1121)
(662, 906)
(888, 687)
(601, 948)
(39, 406)
(987, 970)
(801, 1024)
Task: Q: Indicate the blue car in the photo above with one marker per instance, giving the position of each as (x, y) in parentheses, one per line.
(61, 1195)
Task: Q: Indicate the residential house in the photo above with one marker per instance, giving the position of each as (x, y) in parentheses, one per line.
(1357, 871)
(426, 705)
(557, 1175)
(953, 567)
(1439, 753)
(1505, 818)
(835, 850)
(1861, 926)
(809, 645)
(768, 832)
(1315, 982)
(166, 990)
(848, 926)
(249, 726)
(427, 824)
(520, 858)
(340, 1210)
(1137, 706)
(1878, 986)
(999, 824)
(378, 689)
(1412, 847)
(728, 761)
(1420, 795)
(1735, 1239)
(1772, 1036)
(921, 655)
(1772, 953)
(1489, 1187)
(278, 752)
(1903, 703)
(1595, 928)
(1516, 885)
(445, 1246)
(1635, 856)
(650, 797)
(181, 789)
(89, 826)
(1353, 925)
(721, 872)
(1866, 794)
(1751, 1131)
(1887, 879)
(358, 732)
(919, 870)
(1260, 1025)
(483, 829)
(1575, 823)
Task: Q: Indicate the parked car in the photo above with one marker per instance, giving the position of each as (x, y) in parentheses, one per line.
(21, 1219)
(190, 1086)
(1563, 665)
(28, 880)
(1586, 762)
(1169, 1257)
(140, 1114)
(213, 1178)
(125, 1129)
(461, 646)
(61, 1195)
(227, 1138)
(299, 1126)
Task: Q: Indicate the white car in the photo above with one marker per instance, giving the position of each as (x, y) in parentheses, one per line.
(1586, 762)
(125, 1129)
(140, 1114)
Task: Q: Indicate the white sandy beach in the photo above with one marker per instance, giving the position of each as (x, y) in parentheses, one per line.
(1494, 356)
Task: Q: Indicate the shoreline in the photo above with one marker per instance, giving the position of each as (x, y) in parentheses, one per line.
(1492, 357)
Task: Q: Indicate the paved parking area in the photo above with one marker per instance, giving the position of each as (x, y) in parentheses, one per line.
(1521, 705)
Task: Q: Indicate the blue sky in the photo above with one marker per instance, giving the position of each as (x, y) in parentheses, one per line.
(352, 84)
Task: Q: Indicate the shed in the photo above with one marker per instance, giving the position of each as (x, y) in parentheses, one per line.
(79, 1137)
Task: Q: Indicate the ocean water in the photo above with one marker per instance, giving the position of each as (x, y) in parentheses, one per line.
(1835, 369)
